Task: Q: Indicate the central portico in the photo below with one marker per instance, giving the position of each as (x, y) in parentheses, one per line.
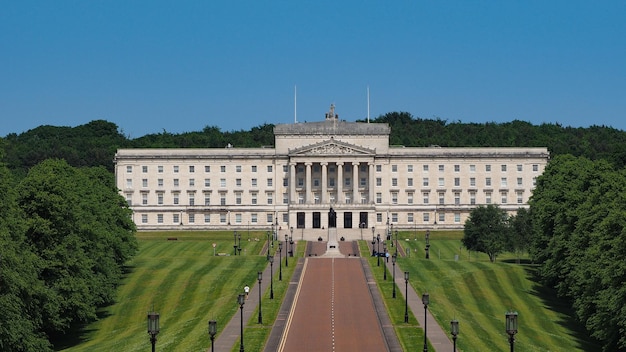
(331, 164)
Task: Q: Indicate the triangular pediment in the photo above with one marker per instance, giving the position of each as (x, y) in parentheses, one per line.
(332, 147)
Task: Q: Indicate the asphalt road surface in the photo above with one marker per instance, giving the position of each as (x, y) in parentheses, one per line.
(333, 310)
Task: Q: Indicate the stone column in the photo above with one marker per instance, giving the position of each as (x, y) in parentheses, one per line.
(372, 180)
(324, 195)
(307, 183)
(339, 182)
(355, 183)
(292, 183)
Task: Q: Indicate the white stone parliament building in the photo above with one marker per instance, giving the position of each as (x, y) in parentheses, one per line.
(314, 167)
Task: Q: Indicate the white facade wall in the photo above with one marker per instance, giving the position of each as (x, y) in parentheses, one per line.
(286, 186)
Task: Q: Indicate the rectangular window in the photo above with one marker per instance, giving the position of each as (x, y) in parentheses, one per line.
(488, 181)
(160, 218)
(441, 182)
(207, 182)
(503, 182)
(520, 198)
(519, 167)
(207, 168)
(504, 199)
(192, 169)
(254, 196)
(192, 182)
(409, 168)
(394, 197)
(394, 217)
(442, 168)
(270, 168)
(222, 198)
(472, 168)
(409, 182)
(472, 181)
(301, 182)
(457, 198)
(488, 168)
(176, 198)
(442, 198)
(270, 198)
(487, 197)
(269, 218)
(238, 198)
(144, 218)
(425, 197)
(253, 168)
(129, 169)
(160, 198)
(472, 198)
(285, 168)
(409, 217)
(160, 169)
(519, 181)
(192, 198)
(254, 182)
(222, 218)
(160, 182)
(238, 182)
(363, 182)
(207, 198)
(253, 218)
(409, 197)
(270, 182)
(175, 218)
(425, 181)
(503, 168)
(394, 168)
(379, 168)
(442, 217)
(379, 181)
(144, 169)
(176, 182)
(222, 182)
(394, 182)
(348, 181)
(129, 183)
(285, 198)
(425, 168)
(175, 169)
(207, 218)
(223, 168)
(285, 182)
(457, 218)
(237, 168)
(144, 198)
(192, 218)
(379, 198)
(457, 168)
(425, 217)
(379, 217)
(535, 167)
(457, 182)
(144, 182)
(238, 218)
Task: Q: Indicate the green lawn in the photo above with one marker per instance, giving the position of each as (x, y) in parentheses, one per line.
(188, 286)
(478, 293)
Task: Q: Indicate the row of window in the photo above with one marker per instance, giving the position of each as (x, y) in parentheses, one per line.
(316, 168)
(224, 218)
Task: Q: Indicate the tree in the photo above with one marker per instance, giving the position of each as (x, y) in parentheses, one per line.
(486, 230)
(521, 232)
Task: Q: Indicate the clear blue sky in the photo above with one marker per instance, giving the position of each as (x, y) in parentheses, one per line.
(179, 66)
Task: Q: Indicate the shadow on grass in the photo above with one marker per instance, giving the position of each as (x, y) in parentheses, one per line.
(79, 333)
(562, 306)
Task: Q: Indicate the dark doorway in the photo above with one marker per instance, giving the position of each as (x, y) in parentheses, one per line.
(317, 223)
(347, 220)
(332, 218)
(363, 219)
(300, 218)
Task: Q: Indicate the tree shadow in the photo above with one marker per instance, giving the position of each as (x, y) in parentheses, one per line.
(81, 333)
(549, 297)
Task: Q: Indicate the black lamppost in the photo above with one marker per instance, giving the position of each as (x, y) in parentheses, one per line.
(378, 248)
(239, 246)
(511, 327)
(396, 242)
(290, 249)
(268, 245)
(272, 235)
(373, 245)
(153, 328)
(454, 329)
(385, 266)
(235, 246)
(390, 234)
(427, 243)
(241, 299)
(280, 261)
(425, 300)
(212, 332)
(393, 261)
(286, 250)
(406, 296)
(260, 276)
(271, 275)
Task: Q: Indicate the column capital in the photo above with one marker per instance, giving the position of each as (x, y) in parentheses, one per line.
(339, 163)
(324, 163)
(308, 163)
(355, 163)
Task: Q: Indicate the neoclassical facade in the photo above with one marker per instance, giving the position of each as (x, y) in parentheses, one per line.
(315, 166)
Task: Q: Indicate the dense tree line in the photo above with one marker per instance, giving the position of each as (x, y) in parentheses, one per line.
(65, 234)
(95, 143)
(578, 213)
